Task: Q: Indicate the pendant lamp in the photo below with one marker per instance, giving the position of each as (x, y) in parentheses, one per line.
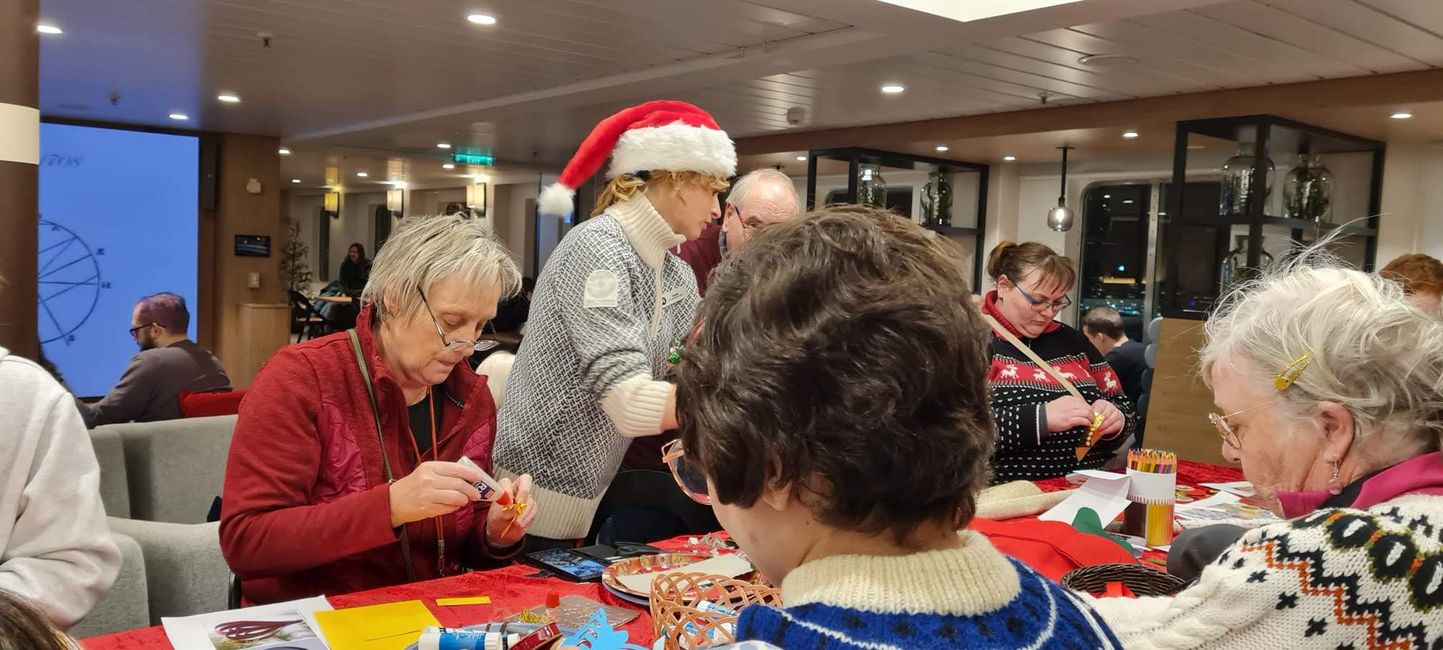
(1060, 217)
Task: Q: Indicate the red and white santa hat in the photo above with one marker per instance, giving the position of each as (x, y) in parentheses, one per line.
(659, 135)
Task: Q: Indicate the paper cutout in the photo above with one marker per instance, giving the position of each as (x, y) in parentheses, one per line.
(1106, 496)
(598, 634)
(391, 626)
(453, 602)
(730, 565)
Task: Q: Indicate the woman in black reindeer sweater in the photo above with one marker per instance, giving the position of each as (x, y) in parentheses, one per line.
(1043, 430)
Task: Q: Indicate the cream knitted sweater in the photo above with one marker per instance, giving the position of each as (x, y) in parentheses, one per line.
(1337, 578)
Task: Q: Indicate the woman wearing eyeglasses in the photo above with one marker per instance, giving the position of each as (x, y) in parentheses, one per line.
(1059, 405)
(343, 472)
(1329, 389)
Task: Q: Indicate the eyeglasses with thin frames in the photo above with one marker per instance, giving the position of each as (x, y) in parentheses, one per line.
(476, 345)
(1225, 428)
(1041, 304)
(135, 330)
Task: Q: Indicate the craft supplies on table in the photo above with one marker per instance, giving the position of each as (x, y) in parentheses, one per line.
(1152, 495)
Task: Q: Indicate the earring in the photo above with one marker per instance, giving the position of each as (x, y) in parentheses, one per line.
(1334, 485)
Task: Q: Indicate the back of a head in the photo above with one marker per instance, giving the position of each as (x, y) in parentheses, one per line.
(1105, 321)
(1016, 260)
(23, 627)
(167, 310)
(1418, 273)
(842, 349)
(1369, 350)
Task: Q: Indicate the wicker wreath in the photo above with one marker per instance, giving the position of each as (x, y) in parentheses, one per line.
(1141, 580)
(674, 613)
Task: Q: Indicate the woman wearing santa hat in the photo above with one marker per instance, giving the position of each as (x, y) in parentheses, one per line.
(610, 307)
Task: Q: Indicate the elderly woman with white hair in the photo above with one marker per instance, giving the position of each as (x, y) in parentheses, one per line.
(343, 472)
(1329, 388)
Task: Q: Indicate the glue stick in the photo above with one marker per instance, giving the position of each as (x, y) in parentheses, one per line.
(445, 638)
(487, 486)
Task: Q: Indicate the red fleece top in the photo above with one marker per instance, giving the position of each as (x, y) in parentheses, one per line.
(306, 506)
(702, 254)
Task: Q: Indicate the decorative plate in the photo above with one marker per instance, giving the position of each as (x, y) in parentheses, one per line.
(645, 564)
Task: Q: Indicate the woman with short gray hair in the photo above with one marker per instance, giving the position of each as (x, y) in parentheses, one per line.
(352, 442)
(1329, 387)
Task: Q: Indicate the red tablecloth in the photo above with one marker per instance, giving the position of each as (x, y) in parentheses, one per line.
(512, 590)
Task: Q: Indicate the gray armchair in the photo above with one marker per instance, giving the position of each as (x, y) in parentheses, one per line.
(126, 606)
(185, 572)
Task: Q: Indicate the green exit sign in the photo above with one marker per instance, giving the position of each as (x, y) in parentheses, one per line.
(473, 159)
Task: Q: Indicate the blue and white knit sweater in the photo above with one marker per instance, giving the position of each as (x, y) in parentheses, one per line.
(608, 306)
(971, 597)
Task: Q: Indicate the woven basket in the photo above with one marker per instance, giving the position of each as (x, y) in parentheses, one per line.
(1142, 580)
(675, 618)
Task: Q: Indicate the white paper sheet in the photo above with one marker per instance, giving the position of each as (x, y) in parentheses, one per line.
(730, 565)
(1105, 495)
(199, 632)
(1217, 499)
(1240, 488)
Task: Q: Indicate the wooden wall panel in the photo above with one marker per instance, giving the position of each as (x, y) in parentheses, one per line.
(1178, 409)
(242, 158)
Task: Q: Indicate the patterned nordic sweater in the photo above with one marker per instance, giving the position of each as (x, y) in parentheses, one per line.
(1336, 578)
(608, 306)
(1020, 391)
(972, 597)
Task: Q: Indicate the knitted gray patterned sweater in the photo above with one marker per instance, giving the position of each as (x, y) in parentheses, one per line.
(608, 305)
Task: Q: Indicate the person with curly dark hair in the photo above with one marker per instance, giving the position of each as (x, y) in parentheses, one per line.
(834, 412)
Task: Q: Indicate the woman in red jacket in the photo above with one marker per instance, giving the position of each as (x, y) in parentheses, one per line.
(343, 475)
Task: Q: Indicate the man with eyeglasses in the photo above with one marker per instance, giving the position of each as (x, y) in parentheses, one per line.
(168, 363)
(759, 198)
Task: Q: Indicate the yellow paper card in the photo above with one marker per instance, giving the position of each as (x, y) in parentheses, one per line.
(452, 602)
(391, 626)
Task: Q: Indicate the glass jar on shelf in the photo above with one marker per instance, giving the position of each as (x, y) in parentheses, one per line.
(1238, 184)
(1235, 270)
(937, 201)
(1308, 190)
(871, 188)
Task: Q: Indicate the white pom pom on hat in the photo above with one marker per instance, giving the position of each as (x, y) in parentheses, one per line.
(662, 135)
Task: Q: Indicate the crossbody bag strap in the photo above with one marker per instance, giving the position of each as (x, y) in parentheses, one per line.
(381, 440)
(1046, 367)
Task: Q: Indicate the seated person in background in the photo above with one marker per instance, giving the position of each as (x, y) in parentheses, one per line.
(1421, 277)
(355, 270)
(1330, 389)
(168, 363)
(834, 412)
(759, 198)
(1040, 423)
(310, 505)
(23, 627)
(1128, 358)
(55, 546)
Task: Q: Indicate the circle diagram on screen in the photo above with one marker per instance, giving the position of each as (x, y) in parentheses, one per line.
(69, 282)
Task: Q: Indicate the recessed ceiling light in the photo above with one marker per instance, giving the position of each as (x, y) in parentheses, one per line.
(295, 180)
(1127, 201)
(482, 19)
(1106, 60)
(179, 117)
(802, 158)
(228, 98)
(448, 166)
(45, 28)
(942, 147)
(1106, 196)
(893, 89)
(1401, 115)
(1129, 134)
(284, 151)
(443, 145)
(361, 174)
(1009, 158)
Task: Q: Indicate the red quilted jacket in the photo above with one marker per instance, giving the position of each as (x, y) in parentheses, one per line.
(306, 506)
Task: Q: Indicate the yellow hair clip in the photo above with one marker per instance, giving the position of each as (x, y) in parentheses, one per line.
(1289, 374)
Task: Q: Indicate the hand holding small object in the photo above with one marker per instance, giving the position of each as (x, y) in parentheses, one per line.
(1066, 413)
(1112, 419)
(436, 488)
(506, 523)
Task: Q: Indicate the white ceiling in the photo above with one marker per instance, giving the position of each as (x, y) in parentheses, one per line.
(391, 78)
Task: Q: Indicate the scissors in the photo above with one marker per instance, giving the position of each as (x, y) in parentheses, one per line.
(252, 630)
